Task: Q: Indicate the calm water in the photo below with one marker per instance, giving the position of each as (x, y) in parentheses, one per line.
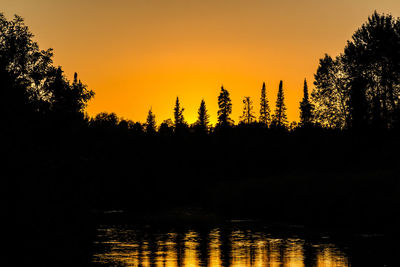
(232, 246)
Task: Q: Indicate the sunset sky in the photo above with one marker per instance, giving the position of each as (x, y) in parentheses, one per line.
(142, 54)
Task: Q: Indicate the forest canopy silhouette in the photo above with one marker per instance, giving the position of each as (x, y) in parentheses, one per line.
(32, 88)
(358, 89)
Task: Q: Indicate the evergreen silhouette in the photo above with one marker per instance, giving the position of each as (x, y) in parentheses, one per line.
(279, 119)
(265, 112)
(306, 108)
(203, 119)
(151, 123)
(225, 108)
(179, 120)
(248, 116)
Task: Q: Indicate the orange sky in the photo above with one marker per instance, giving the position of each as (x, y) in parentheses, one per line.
(139, 54)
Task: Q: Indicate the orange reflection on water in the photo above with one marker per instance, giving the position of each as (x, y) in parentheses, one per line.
(214, 248)
(326, 257)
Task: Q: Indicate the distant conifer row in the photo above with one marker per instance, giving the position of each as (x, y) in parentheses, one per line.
(277, 120)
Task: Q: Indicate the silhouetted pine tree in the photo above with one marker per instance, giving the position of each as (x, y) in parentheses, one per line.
(306, 108)
(279, 119)
(248, 116)
(178, 114)
(203, 118)
(225, 108)
(151, 123)
(265, 112)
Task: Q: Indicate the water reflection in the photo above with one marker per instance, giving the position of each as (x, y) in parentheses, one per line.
(117, 246)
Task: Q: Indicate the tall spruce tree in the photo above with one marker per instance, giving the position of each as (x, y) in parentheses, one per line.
(151, 123)
(178, 114)
(203, 118)
(306, 108)
(265, 112)
(279, 119)
(248, 116)
(225, 108)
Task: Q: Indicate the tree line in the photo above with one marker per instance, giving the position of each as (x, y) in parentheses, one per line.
(357, 90)
(202, 124)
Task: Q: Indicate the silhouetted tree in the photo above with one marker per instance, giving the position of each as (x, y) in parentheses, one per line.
(248, 116)
(360, 87)
(279, 119)
(24, 71)
(137, 128)
(124, 125)
(225, 108)
(306, 108)
(166, 127)
(358, 105)
(178, 114)
(59, 86)
(265, 112)
(31, 84)
(68, 100)
(80, 95)
(203, 119)
(151, 123)
(372, 60)
(331, 94)
(105, 120)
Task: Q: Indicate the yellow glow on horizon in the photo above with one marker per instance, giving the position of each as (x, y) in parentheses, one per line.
(138, 55)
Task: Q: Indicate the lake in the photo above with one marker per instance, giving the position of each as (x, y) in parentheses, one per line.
(234, 245)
